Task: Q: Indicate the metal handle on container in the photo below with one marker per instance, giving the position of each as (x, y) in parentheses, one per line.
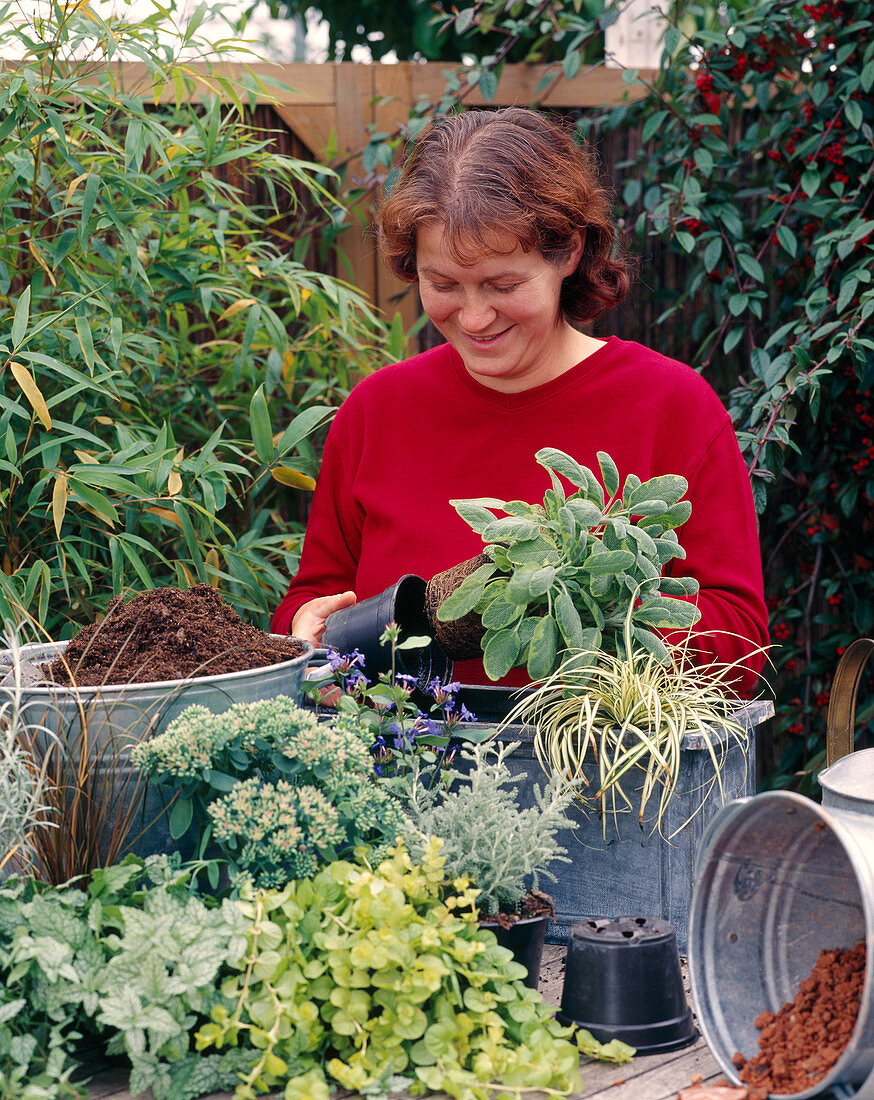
(841, 719)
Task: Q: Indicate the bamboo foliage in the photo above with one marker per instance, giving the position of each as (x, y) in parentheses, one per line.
(164, 348)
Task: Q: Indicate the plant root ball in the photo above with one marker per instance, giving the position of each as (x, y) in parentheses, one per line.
(460, 640)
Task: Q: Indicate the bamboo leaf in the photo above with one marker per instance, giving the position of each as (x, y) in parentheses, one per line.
(88, 198)
(32, 392)
(174, 483)
(59, 502)
(259, 419)
(95, 501)
(22, 316)
(236, 307)
(86, 341)
(165, 514)
(294, 479)
(41, 260)
(303, 425)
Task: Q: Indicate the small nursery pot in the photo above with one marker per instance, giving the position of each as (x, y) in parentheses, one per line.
(361, 626)
(623, 981)
(525, 939)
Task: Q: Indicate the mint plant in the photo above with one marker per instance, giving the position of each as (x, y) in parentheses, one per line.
(564, 573)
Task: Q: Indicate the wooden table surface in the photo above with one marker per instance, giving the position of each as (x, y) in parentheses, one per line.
(652, 1077)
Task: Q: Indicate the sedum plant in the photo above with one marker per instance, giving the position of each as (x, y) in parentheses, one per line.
(565, 573)
(503, 848)
(278, 791)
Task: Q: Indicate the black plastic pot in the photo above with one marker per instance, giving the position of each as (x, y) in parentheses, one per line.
(623, 981)
(525, 939)
(361, 626)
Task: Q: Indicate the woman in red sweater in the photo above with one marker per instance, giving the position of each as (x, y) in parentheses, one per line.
(501, 220)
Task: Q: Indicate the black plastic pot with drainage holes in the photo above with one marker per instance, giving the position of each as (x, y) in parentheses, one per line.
(623, 981)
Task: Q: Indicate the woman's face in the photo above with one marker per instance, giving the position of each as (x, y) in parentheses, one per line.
(501, 311)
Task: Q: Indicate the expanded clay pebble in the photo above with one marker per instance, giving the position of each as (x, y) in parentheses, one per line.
(804, 1039)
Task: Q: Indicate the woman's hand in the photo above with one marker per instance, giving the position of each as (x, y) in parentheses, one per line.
(309, 620)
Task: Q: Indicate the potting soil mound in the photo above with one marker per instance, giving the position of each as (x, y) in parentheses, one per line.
(167, 634)
(802, 1042)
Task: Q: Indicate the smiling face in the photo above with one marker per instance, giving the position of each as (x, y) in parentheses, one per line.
(500, 311)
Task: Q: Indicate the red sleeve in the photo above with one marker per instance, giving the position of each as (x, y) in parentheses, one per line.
(332, 542)
(722, 553)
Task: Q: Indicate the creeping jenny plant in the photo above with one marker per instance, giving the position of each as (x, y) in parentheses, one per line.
(362, 974)
(563, 573)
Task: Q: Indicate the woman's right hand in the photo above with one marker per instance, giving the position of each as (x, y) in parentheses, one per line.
(309, 620)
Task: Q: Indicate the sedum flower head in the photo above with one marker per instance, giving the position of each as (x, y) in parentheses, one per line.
(284, 791)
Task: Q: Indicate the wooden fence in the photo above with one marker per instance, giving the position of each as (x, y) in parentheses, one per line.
(327, 111)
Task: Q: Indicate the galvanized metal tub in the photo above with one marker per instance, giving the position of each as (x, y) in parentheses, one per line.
(636, 870)
(108, 720)
(779, 879)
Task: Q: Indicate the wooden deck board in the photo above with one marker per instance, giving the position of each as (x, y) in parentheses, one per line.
(651, 1077)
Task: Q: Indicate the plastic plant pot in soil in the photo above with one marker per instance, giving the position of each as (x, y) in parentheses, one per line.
(780, 879)
(636, 870)
(525, 938)
(118, 716)
(361, 626)
(623, 981)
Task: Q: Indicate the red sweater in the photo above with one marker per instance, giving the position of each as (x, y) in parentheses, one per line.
(417, 434)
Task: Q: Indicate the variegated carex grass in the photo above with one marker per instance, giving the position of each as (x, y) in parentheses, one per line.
(627, 716)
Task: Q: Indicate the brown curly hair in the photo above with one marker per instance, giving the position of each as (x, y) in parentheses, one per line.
(511, 170)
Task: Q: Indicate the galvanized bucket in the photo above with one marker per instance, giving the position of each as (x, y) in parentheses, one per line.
(103, 723)
(778, 879)
(848, 781)
(137, 711)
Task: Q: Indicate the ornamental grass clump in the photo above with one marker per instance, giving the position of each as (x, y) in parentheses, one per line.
(278, 791)
(613, 726)
(25, 788)
(503, 848)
